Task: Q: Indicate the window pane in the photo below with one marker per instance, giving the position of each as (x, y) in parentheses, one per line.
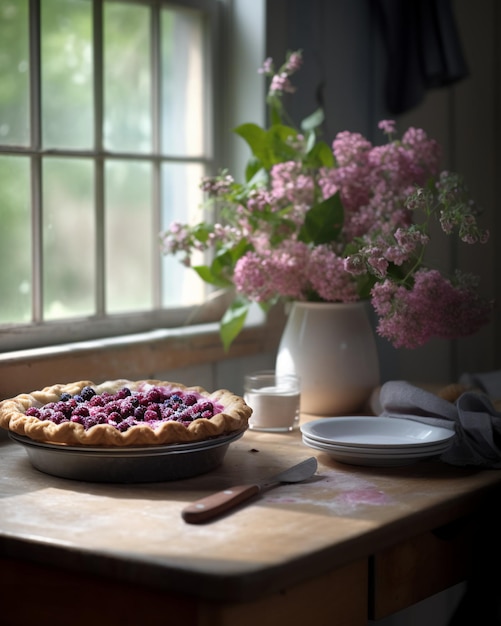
(15, 241)
(182, 83)
(127, 80)
(95, 229)
(69, 238)
(14, 73)
(67, 93)
(130, 239)
(181, 202)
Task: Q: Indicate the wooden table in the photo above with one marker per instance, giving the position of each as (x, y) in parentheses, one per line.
(351, 544)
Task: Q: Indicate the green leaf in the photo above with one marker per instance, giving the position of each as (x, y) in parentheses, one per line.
(223, 264)
(259, 178)
(256, 138)
(311, 139)
(252, 169)
(233, 321)
(365, 282)
(269, 146)
(280, 149)
(276, 108)
(212, 278)
(201, 232)
(276, 114)
(320, 155)
(323, 222)
(313, 121)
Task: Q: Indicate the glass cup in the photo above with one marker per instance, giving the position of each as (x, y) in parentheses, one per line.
(274, 400)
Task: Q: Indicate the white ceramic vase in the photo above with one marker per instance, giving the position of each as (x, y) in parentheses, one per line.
(332, 348)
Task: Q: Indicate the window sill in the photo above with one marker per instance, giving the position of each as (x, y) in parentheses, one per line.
(133, 357)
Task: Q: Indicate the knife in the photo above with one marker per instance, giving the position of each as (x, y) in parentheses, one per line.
(221, 501)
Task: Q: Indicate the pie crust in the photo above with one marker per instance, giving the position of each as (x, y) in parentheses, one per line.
(232, 418)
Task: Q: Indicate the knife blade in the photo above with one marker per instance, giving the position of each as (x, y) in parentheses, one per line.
(221, 501)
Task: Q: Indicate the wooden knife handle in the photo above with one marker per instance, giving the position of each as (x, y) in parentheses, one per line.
(217, 503)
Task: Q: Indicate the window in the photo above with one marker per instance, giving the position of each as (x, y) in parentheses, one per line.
(106, 127)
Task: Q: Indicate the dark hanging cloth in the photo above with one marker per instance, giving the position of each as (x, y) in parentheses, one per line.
(423, 49)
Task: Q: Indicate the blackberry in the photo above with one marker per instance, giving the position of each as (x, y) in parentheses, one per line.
(99, 418)
(45, 414)
(97, 400)
(139, 412)
(87, 393)
(125, 408)
(81, 411)
(58, 417)
(125, 392)
(150, 415)
(112, 407)
(125, 424)
(190, 399)
(206, 407)
(63, 407)
(153, 395)
(166, 412)
(115, 417)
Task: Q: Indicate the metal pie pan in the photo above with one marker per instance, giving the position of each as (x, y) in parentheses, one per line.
(127, 465)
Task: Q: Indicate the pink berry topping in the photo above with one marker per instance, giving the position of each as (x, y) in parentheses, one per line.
(126, 408)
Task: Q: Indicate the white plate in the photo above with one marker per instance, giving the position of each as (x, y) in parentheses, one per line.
(372, 460)
(370, 432)
(436, 448)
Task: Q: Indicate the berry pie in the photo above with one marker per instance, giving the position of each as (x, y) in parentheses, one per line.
(124, 413)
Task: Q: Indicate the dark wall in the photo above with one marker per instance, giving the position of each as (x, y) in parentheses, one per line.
(347, 68)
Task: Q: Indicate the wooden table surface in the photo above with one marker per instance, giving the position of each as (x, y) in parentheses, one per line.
(292, 534)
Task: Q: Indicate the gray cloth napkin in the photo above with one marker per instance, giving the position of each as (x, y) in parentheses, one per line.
(473, 418)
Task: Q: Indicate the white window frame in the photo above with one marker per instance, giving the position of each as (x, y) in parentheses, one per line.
(42, 333)
(238, 95)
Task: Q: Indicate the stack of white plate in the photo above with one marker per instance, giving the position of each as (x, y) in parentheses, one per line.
(376, 441)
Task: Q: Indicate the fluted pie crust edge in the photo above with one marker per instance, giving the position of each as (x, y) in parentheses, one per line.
(234, 417)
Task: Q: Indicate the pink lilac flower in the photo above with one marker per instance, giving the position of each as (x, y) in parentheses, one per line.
(328, 276)
(289, 182)
(258, 200)
(375, 181)
(294, 62)
(350, 147)
(377, 260)
(410, 238)
(267, 66)
(224, 233)
(216, 185)
(458, 211)
(355, 264)
(261, 276)
(179, 238)
(387, 126)
(280, 83)
(273, 240)
(426, 151)
(403, 246)
(434, 307)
